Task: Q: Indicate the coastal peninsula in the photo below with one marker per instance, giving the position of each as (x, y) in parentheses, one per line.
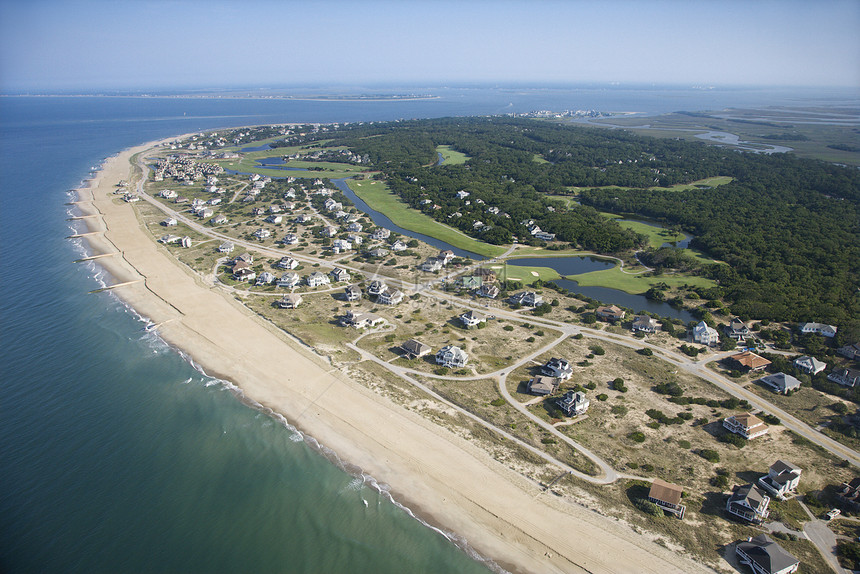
(467, 446)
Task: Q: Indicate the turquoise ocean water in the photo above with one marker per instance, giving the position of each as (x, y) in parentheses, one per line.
(116, 454)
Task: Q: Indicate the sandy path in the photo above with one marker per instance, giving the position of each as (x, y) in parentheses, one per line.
(444, 478)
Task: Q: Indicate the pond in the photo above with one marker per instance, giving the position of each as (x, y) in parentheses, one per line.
(565, 265)
(636, 302)
(383, 221)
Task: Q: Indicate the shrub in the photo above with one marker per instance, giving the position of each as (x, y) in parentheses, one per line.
(548, 440)
(720, 481)
(508, 327)
(647, 467)
(389, 338)
(672, 389)
(618, 385)
(637, 436)
(441, 370)
(530, 340)
(648, 507)
(578, 336)
(735, 439)
(684, 444)
(591, 386)
(709, 455)
(770, 419)
(839, 408)
(619, 410)
(602, 397)
(597, 350)
(645, 352)
(539, 333)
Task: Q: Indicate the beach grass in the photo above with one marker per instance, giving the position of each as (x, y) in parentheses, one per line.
(378, 197)
(450, 156)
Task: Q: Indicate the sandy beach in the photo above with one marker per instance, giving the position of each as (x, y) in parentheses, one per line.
(444, 478)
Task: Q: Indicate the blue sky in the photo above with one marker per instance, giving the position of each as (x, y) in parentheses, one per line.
(87, 45)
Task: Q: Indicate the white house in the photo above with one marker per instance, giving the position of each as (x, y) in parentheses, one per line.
(390, 297)
(262, 234)
(452, 357)
(431, 265)
(317, 279)
(748, 502)
(339, 275)
(380, 234)
(573, 403)
(782, 478)
(809, 365)
(747, 425)
(559, 368)
(705, 335)
(819, 329)
(290, 301)
(265, 278)
(290, 239)
(472, 319)
(376, 287)
(287, 263)
(289, 280)
(226, 247)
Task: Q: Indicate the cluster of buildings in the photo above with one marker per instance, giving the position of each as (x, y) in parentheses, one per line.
(183, 168)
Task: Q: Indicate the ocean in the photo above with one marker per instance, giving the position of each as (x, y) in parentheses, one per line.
(116, 453)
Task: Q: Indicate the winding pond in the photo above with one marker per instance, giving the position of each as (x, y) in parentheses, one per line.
(577, 265)
(383, 221)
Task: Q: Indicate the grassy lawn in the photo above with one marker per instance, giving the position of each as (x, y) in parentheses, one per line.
(451, 156)
(377, 196)
(657, 236)
(636, 284)
(707, 182)
(529, 275)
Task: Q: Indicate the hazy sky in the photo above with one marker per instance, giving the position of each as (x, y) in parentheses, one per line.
(147, 44)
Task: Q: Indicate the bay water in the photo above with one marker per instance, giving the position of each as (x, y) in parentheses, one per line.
(116, 453)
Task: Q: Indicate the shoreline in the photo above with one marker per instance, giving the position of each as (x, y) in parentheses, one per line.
(432, 471)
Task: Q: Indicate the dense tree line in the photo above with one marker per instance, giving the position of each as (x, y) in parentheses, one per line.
(786, 227)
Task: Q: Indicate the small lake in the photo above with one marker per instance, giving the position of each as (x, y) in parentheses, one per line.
(263, 147)
(636, 302)
(383, 221)
(564, 265)
(577, 265)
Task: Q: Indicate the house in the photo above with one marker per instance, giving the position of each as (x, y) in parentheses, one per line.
(526, 299)
(275, 219)
(328, 231)
(237, 265)
(462, 194)
(557, 367)
(380, 234)
(376, 287)
(289, 280)
(339, 275)
(413, 349)
(849, 493)
(445, 256)
(302, 218)
(339, 245)
(782, 478)
(262, 234)
(167, 239)
(355, 239)
(469, 282)
(765, 556)
(287, 263)
(819, 329)
(487, 290)
(355, 227)
(244, 274)
(488, 275)
(667, 496)
(472, 319)
(737, 330)
(451, 357)
(748, 502)
(399, 245)
(226, 247)
(169, 222)
(185, 242)
(705, 335)
(218, 220)
(809, 365)
(290, 239)
(390, 297)
(352, 293)
(781, 383)
(850, 351)
(290, 301)
(432, 265)
(645, 324)
(361, 320)
(544, 235)
(541, 385)
(845, 377)
(573, 403)
(317, 278)
(749, 360)
(747, 425)
(378, 252)
(265, 278)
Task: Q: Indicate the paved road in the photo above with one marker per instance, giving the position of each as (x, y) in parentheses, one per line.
(696, 367)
